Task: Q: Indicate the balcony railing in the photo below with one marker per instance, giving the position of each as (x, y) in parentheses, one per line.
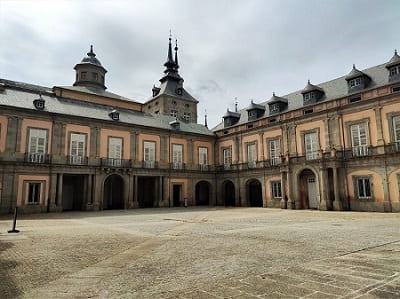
(149, 164)
(252, 164)
(37, 158)
(359, 151)
(311, 155)
(77, 160)
(227, 166)
(275, 161)
(177, 166)
(203, 167)
(112, 162)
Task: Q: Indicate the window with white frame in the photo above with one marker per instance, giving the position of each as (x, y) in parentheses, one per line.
(177, 151)
(251, 155)
(186, 116)
(395, 70)
(174, 113)
(363, 185)
(396, 132)
(359, 139)
(309, 96)
(203, 157)
(276, 189)
(114, 151)
(355, 82)
(33, 193)
(311, 145)
(37, 144)
(274, 151)
(227, 153)
(77, 148)
(149, 153)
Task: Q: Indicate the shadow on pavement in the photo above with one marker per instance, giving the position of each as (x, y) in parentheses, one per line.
(8, 287)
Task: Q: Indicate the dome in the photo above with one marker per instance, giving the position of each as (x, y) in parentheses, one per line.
(91, 58)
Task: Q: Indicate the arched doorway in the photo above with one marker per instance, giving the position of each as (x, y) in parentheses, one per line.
(308, 189)
(229, 193)
(254, 193)
(113, 193)
(202, 193)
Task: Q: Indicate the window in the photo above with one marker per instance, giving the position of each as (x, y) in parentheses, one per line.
(83, 75)
(310, 141)
(77, 148)
(274, 151)
(363, 185)
(186, 116)
(114, 151)
(396, 89)
(274, 107)
(272, 120)
(395, 70)
(34, 193)
(309, 96)
(94, 76)
(359, 139)
(396, 132)
(203, 158)
(174, 113)
(308, 111)
(227, 155)
(251, 155)
(276, 189)
(355, 99)
(355, 82)
(37, 144)
(149, 153)
(177, 150)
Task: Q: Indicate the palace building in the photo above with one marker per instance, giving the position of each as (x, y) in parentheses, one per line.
(330, 146)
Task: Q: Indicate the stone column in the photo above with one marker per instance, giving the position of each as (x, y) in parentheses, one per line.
(283, 187)
(89, 191)
(190, 155)
(98, 192)
(379, 131)
(13, 139)
(323, 205)
(135, 192)
(337, 203)
(59, 190)
(53, 193)
(291, 200)
(327, 144)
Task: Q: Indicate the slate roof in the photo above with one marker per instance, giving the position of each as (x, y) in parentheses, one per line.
(276, 99)
(334, 89)
(394, 60)
(254, 106)
(354, 73)
(231, 114)
(310, 87)
(169, 88)
(97, 91)
(21, 95)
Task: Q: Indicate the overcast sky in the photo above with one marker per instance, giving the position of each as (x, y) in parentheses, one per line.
(227, 49)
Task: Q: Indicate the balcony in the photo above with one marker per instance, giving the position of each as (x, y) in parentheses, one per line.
(203, 167)
(77, 160)
(37, 158)
(177, 166)
(252, 164)
(227, 166)
(275, 161)
(312, 155)
(117, 163)
(149, 164)
(360, 151)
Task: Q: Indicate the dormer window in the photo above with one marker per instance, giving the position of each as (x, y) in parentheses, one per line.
(355, 82)
(255, 111)
(39, 103)
(114, 114)
(309, 96)
(179, 91)
(274, 107)
(175, 124)
(395, 70)
(312, 93)
(277, 104)
(230, 118)
(394, 67)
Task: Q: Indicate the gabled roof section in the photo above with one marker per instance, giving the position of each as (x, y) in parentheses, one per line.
(310, 87)
(275, 99)
(354, 73)
(231, 114)
(394, 60)
(255, 106)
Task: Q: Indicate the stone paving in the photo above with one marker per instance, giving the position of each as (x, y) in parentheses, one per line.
(201, 253)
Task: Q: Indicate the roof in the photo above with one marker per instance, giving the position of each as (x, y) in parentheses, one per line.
(254, 106)
(354, 73)
(275, 99)
(310, 87)
(169, 88)
(394, 60)
(91, 59)
(23, 98)
(334, 89)
(231, 114)
(96, 91)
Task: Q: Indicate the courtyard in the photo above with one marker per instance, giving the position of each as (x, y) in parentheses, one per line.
(201, 253)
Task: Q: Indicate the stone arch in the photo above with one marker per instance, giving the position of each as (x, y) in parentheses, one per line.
(308, 188)
(202, 193)
(228, 192)
(254, 193)
(113, 192)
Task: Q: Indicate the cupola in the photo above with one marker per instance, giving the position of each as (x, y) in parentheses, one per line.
(255, 111)
(90, 72)
(394, 67)
(357, 80)
(277, 104)
(311, 93)
(230, 118)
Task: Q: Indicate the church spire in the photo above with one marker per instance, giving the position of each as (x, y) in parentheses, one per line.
(171, 65)
(176, 54)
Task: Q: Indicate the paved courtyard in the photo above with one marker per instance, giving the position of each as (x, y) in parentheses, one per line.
(201, 253)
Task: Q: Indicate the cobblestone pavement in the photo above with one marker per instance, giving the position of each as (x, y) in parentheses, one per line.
(201, 253)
